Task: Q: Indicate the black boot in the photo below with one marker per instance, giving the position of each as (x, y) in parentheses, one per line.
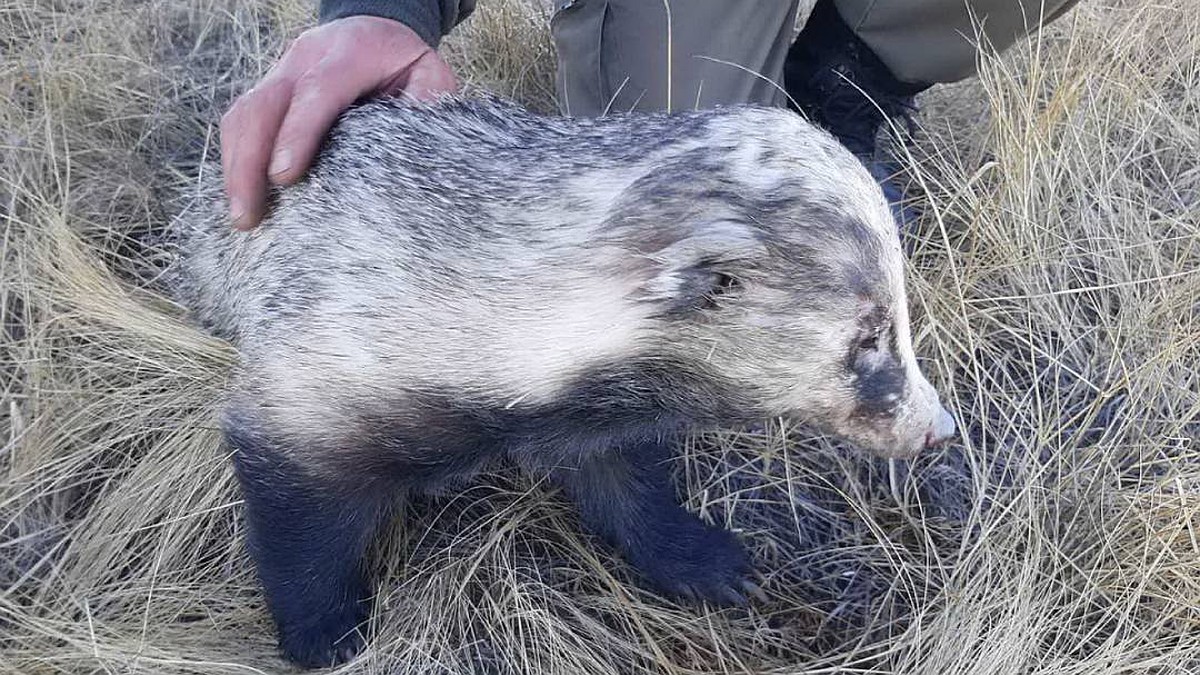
(836, 80)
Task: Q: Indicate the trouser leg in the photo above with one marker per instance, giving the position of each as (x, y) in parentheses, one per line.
(655, 55)
(930, 41)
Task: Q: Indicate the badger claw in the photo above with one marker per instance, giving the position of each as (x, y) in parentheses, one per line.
(733, 598)
(754, 590)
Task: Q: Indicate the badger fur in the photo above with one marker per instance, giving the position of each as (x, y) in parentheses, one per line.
(465, 281)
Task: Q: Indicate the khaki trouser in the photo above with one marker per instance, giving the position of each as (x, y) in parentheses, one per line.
(619, 55)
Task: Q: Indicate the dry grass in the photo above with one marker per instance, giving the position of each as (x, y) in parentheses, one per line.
(1057, 298)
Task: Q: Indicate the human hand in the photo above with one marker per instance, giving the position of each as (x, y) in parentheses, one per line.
(272, 132)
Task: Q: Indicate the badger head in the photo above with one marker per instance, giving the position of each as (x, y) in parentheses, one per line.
(775, 268)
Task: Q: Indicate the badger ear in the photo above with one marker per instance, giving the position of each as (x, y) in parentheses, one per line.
(701, 264)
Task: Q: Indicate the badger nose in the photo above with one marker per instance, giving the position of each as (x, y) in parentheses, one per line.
(942, 431)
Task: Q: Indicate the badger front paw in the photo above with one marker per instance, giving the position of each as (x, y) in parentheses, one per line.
(695, 561)
(331, 641)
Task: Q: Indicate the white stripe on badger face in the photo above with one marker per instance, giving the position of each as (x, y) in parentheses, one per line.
(774, 147)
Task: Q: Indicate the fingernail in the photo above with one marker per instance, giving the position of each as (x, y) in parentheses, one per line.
(281, 161)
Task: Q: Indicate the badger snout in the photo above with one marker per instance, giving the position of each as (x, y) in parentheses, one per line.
(919, 422)
(935, 428)
(942, 430)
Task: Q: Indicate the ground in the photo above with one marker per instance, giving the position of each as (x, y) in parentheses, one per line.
(1056, 295)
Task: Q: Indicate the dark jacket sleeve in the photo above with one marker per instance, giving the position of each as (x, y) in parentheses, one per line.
(431, 19)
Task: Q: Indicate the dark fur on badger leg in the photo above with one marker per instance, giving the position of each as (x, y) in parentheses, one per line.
(626, 497)
(308, 538)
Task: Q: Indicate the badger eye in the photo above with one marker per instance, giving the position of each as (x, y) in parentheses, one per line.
(725, 283)
(869, 343)
(720, 284)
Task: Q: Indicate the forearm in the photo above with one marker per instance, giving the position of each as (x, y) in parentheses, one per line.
(430, 19)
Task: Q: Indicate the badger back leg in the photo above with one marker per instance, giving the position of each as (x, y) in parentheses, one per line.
(625, 496)
(307, 535)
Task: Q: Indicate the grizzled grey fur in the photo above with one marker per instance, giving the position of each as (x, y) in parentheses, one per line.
(462, 282)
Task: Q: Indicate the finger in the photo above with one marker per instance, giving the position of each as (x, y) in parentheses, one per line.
(429, 78)
(248, 133)
(321, 94)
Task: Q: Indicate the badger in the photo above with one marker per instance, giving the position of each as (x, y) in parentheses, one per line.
(464, 282)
